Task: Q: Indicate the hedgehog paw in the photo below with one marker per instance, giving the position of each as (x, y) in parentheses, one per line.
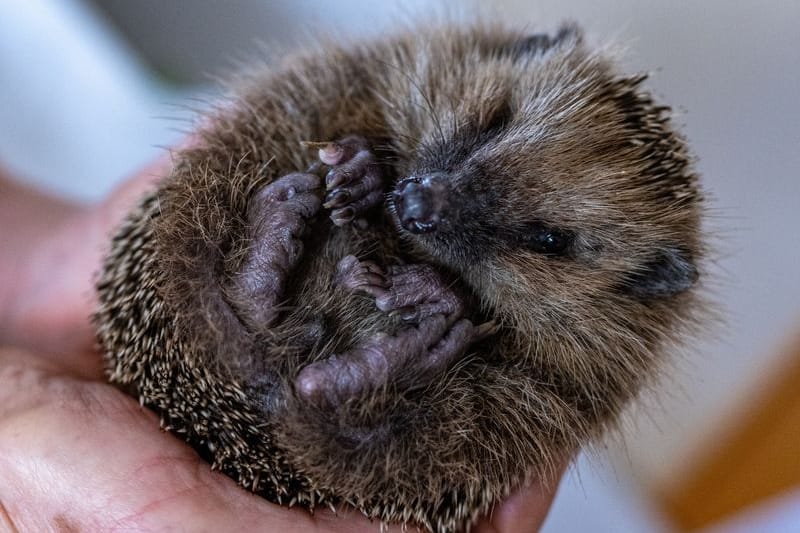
(414, 292)
(418, 353)
(363, 276)
(354, 183)
(417, 292)
(277, 216)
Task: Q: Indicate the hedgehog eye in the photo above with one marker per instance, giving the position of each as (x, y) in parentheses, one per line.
(549, 241)
(498, 120)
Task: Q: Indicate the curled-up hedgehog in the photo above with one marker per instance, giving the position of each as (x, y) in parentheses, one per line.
(483, 258)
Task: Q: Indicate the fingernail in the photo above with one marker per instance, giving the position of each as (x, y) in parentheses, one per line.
(336, 199)
(342, 216)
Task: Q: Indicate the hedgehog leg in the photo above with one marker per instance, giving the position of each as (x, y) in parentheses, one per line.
(415, 292)
(277, 216)
(437, 337)
(354, 183)
(419, 352)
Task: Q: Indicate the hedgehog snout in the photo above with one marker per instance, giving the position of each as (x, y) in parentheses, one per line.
(421, 202)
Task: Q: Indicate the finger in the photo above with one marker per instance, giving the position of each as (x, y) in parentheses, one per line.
(54, 295)
(525, 510)
(82, 456)
(122, 199)
(347, 520)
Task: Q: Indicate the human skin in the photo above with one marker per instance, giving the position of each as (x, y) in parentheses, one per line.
(76, 454)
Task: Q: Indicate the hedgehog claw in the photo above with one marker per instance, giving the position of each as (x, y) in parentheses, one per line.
(487, 329)
(364, 276)
(354, 182)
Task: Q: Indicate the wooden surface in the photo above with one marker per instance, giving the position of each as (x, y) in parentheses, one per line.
(758, 458)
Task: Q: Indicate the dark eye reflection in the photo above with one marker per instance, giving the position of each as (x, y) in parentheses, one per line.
(498, 121)
(547, 240)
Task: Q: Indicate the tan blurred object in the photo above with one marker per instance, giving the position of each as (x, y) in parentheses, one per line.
(760, 457)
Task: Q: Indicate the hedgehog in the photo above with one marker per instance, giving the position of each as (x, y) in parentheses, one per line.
(409, 274)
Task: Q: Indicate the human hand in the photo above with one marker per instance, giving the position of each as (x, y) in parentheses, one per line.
(75, 452)
(50, 252)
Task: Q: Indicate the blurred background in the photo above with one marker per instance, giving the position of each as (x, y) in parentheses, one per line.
(90, 90)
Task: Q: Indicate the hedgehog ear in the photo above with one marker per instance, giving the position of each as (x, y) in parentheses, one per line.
(670, 272)
(539, 43)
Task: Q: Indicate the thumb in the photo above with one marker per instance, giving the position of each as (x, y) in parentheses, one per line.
(525, 510)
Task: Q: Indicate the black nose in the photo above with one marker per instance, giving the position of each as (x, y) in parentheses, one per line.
(420, 203)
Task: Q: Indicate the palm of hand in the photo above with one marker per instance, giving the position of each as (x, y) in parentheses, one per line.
(79, 454)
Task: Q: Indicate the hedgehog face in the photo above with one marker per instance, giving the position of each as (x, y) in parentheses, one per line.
(553, 189)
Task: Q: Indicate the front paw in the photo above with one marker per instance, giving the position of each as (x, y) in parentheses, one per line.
(415, 292)
(354, 183)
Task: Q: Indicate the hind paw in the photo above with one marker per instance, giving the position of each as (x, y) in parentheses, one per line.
(417, 354)
(415, 291)
(277, 216)
(363, 276)
(436, 337)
